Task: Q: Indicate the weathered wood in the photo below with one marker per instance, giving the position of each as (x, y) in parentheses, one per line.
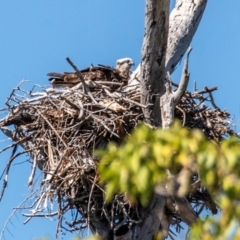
(26, 145)
(183, 23)
(153, 58)
(169, 99)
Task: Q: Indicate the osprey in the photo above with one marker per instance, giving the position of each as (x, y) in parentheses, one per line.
(100, 73)
(124, 66)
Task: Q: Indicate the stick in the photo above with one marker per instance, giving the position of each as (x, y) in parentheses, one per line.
(80, 76)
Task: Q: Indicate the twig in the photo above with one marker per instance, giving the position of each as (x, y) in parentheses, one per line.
(30, 180)
(37, 207)
(206, 90)
(184, 115)
(89, 201)
(55, 131)
(41, 215)
(13, 212)
(211, 97)
(105, 126)
(5, 181)
(79, 74)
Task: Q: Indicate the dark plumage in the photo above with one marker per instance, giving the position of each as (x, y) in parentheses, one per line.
(99, 73)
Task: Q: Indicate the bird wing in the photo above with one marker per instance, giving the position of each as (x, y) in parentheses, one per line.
(99, 73)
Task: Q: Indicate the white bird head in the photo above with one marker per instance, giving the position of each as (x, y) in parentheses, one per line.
(122, 61)
(124, 65)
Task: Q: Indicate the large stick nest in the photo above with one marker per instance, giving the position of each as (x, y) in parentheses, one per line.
(61, 128)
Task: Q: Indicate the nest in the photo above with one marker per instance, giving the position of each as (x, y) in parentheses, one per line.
(61, 128)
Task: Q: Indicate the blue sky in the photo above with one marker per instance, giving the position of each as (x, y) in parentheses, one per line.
(37, 36)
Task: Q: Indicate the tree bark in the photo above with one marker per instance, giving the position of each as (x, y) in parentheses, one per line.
(183, 23)
(153, 58)
(152, 219)
(170, 99)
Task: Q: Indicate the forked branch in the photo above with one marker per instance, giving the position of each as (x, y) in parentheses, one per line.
(170, 99)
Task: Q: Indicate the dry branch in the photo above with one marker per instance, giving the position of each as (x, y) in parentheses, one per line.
(183, 23)
(170, 99)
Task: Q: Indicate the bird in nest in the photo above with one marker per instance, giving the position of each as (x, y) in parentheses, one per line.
(121, 73)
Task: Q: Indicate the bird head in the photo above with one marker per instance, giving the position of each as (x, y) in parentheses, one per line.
(125, 61)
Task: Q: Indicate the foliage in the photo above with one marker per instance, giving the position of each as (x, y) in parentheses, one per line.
(140, 163)
(42, 238)
(88, 238)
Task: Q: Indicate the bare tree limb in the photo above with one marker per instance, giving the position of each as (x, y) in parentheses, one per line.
(184, 80)
(169, 99)
(26, 145)
(183, 23)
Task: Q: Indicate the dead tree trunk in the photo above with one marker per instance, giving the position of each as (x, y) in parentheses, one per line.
(153, 58)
